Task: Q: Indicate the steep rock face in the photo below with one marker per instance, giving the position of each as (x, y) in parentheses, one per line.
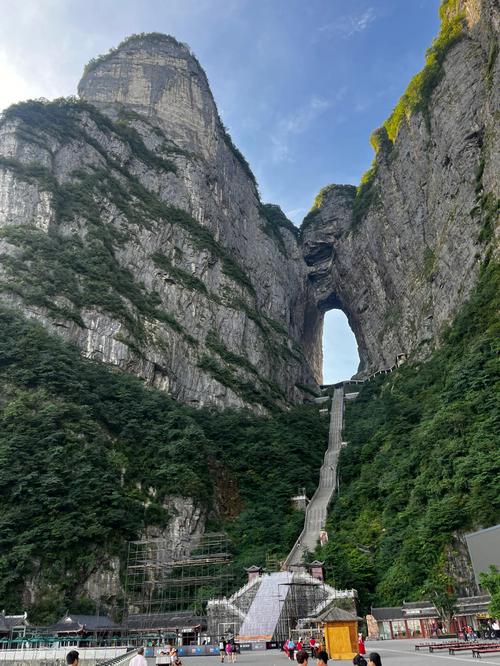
(131, 225)
(401, 254)
(171, 542)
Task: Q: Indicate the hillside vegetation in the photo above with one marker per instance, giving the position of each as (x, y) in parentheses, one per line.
(421, 461)
(89, 454)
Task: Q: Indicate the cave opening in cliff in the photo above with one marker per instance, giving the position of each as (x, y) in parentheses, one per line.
(340, 350)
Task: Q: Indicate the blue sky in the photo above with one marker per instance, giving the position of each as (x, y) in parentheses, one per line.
(299, 83)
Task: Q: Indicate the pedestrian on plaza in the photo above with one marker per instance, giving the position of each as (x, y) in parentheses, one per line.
(313, 646)
(72, 658)
(302, 657)
(229, 651)
(361, 644)
(298, 647)
(139, 659)
(496, 628)
(322, 658)
(222, 649)
(174, 656)
(291, 649)
(374, 659)
(359, 661)
(233, 651)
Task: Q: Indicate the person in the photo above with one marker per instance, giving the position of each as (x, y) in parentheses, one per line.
(358, 660)
(233, 651)
(174, 656)
(302, 657)
(291, 649)
(222, 649)
(312, 645)
(496, 628)
(298, 647)
(361, 644)
(72, 658)
(322, 658)
(229, 651)
(374, 659)
(139, 659)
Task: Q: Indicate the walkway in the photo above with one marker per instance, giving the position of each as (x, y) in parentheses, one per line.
(262, 618)
(317, 508)
(393, 653)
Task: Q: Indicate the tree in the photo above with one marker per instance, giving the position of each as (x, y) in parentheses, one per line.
(491, 581)
(440, 590)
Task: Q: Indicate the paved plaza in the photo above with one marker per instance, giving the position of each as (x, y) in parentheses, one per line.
(393, 653)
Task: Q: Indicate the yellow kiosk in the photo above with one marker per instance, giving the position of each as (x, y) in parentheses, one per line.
(341, 633)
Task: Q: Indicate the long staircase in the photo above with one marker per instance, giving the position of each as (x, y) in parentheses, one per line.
(316, 511)
(262, 618)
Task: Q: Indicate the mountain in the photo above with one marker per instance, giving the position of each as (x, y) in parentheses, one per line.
(401, 253)
(132, 226)
(161, 326)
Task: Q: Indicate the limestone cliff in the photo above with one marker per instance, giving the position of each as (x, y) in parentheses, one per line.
(131, 225)
(400, 253)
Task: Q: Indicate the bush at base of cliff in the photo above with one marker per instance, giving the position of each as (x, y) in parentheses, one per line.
(421, 460)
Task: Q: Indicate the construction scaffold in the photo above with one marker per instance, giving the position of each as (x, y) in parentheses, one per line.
(167, 592)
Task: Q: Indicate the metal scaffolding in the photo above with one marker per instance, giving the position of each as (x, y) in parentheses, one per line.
(158, 581)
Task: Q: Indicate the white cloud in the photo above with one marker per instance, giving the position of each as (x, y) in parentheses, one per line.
(301, 120)
(280, 150)
(296, 215)
(294, 124)
(348, 25)
(14, 87)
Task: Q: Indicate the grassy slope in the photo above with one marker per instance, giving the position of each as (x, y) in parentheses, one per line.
(422, 459)
(76, 439)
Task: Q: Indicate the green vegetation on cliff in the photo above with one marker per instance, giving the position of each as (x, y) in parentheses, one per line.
(276, 221)
(83, 270)
(415, 99)
(418, 93)
(89, 454)
(152, 37)
(346, 191)
(421, 460)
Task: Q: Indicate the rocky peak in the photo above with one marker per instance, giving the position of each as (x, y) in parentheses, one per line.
(200, 288)
(157, 77)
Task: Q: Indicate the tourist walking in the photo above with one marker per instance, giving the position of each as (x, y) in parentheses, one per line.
(72, 658)
(222, 649)
(361, 644)
(359, 661)
(291, 649)
(322, 658)
(302, 657)
(139, 659)
(313, 646)
(374, 659)
(174, 656)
